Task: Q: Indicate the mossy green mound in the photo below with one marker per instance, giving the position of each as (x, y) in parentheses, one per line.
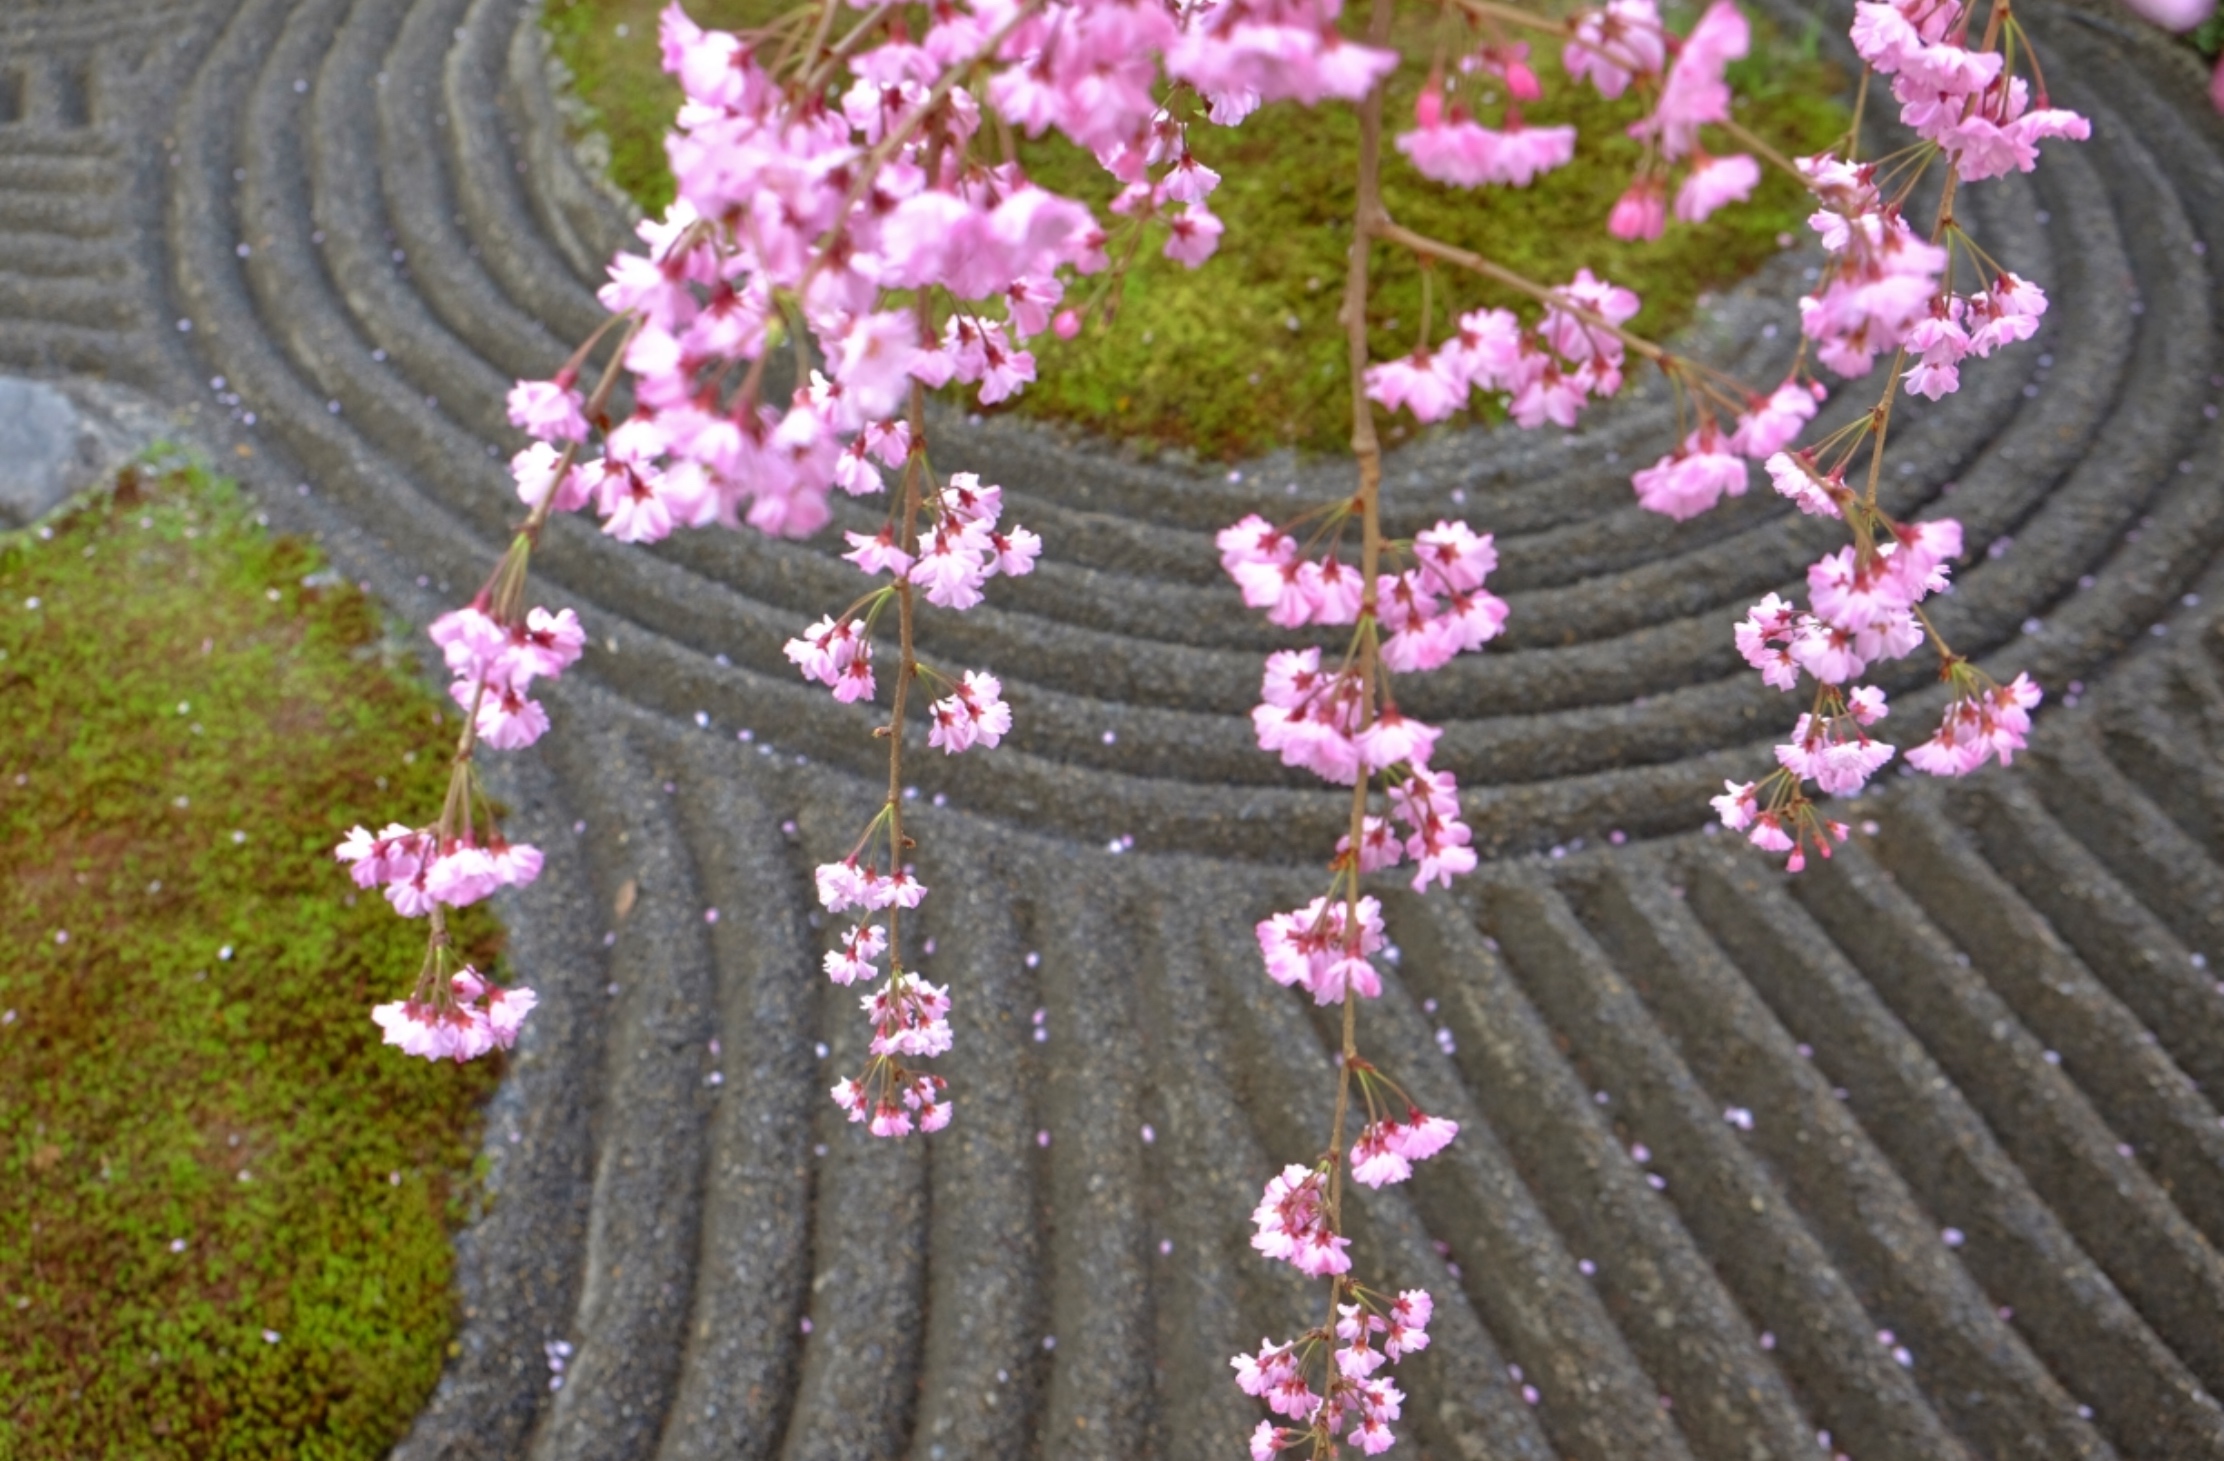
(205, 1145)
(1244, 355)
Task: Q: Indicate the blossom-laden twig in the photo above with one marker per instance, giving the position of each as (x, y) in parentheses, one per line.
(495, 647)
(861, 227)
(1929, 302)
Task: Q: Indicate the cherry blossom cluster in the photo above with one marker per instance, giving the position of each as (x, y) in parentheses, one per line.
(835, 197)
(795, 217)
(846, 195)
(1337, 718)
(495, 651)
(1340, 723)
(1884, 289)
(478, 1017)
(943, 547)
(417, 870)
(1864, 608)
(910, 1017)
(1963, 100)
(1447, 145)
(1624, 45)
(1354, 1401)
(1888, 288)
(1546, 373)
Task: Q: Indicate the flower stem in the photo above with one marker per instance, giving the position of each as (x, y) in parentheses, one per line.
(1368, 222)
(1420, 243)
(907, 663)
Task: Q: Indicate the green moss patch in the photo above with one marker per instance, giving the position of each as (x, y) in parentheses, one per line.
(1244, 354)
(227, 1233)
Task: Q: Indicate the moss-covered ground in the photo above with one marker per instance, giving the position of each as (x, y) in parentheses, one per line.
(1244, 354)
(226, 1230)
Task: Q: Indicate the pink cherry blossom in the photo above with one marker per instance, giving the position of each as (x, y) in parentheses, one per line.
(461, 875)
(1641, 212)
(1714, 182)
(393, 855)
(878, 554)
(1489, 350)
(872, 359)
(854, 959)
(1428, 384)
(832, 654)
(1736, 807)
(506, 1010)
(910, 1017)
(1349, 976)
(925, 1095)
(2006, 313)
(1466, 154)
(461, 1028)
(1979, 727)
(1014, 553)
(1509, 62)
(2175, 15)
(1774, 423)
(1455, 555)
(1292, 1222)
(1694, 93)
(545, 644)
(506, 719)
(534, 469)
(1793, 476)
(1275, 1376)
(470, 640)
(1394, 739)
(1192, 235)
(1688, 482)
(1764, 637)
(1374, 1162)
(1419, 1137)
(1407, 1330)
(1622, 40)
(1835, 755)
(548, 410)
(1379, 846)
(419, 1029)
(1299, 947)
(1332, 588)
(974, 713)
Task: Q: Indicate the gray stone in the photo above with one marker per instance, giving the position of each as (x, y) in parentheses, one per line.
(45, 452)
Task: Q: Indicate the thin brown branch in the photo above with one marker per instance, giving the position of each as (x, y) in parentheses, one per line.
(1474, 263)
